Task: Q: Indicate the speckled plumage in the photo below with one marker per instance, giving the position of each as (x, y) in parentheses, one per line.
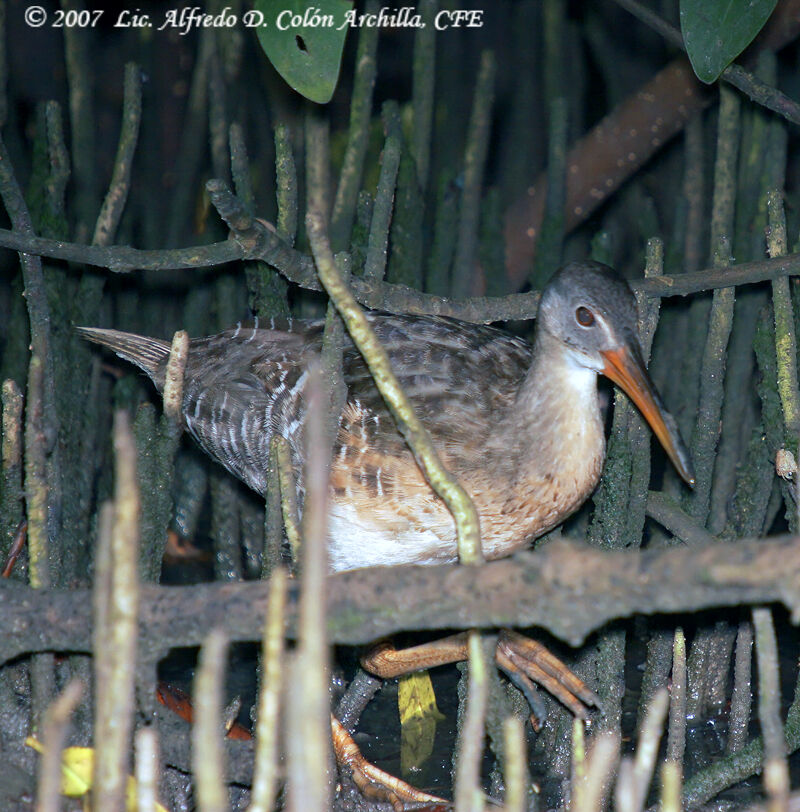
(519, 425)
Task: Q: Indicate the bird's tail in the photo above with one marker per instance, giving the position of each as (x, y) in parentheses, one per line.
(149, 354)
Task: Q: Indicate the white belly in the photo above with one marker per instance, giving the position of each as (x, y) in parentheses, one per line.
(355, 541)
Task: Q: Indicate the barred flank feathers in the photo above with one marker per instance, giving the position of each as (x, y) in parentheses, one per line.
(149, 354)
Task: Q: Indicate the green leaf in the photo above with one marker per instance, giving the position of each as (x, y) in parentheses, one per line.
(416, 702)
(717, 31)
(416, 698)
(304, 42)
(77, 772)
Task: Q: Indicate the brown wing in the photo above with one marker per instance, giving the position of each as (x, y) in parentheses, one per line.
(460, 378)
(242, 386)
(247, 383)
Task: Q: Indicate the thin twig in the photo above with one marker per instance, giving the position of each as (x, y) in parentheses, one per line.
(776, 767)
(118, 189)
(551, 234)
(207, 753)
(285, 185)
(467, 791)
(54, 734)
(707, 427)
(11, 482)
(578, 773)
(318, 170)
(308, 728)
(785, 340)
(288, 491)
(647, 747)
(359, 692)
(40, 317)
(273, 521)
(454, 496)
(424, 73)
(217, 112)
(638, 431)
(36, 484)
(147, 768)
(225, 527)
(120, 258)
(666, 511)
(15, 549)
(82, 122)
(173, 381)
(516, 771)
(742, 693)
(59, 162)
(671, 777)
(676, 733)
(602, 759)
(375, 261)
(440, 258)
(240, 165)
(265, 769)
(116, 664)
(474, 162)
(317, 137)
(694, 190)
(157, 443)
(761, 160)
(344, 205)
(266, 287)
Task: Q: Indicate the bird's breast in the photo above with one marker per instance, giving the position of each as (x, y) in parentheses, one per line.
(383, 512)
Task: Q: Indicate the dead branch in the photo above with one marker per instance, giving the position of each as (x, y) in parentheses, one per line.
(255, 241)
(566, 587)
(622, 142)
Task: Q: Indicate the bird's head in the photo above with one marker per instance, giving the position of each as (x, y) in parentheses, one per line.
(591, 310)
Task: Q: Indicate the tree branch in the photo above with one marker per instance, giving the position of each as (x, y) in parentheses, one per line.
(566, 587)
(253, 239)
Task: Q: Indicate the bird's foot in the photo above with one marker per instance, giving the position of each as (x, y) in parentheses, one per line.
(526, 662)
(373, 782)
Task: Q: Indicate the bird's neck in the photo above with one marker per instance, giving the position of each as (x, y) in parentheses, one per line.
(559, 428)
(555, 377)
(545, 455)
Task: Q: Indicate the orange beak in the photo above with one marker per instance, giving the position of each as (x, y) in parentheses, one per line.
(626, 368)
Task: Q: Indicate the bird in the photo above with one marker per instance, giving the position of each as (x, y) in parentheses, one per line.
(519, 424)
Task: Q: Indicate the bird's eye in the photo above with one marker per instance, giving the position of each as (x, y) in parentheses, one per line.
(584, 317)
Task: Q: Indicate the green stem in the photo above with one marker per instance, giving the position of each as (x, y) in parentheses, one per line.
(445, 485)
(344, 205)
(785, 340)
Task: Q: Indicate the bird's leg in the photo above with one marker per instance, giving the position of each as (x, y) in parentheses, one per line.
(524, 660)
(372, 781)
(385, 661)
(517, 654)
